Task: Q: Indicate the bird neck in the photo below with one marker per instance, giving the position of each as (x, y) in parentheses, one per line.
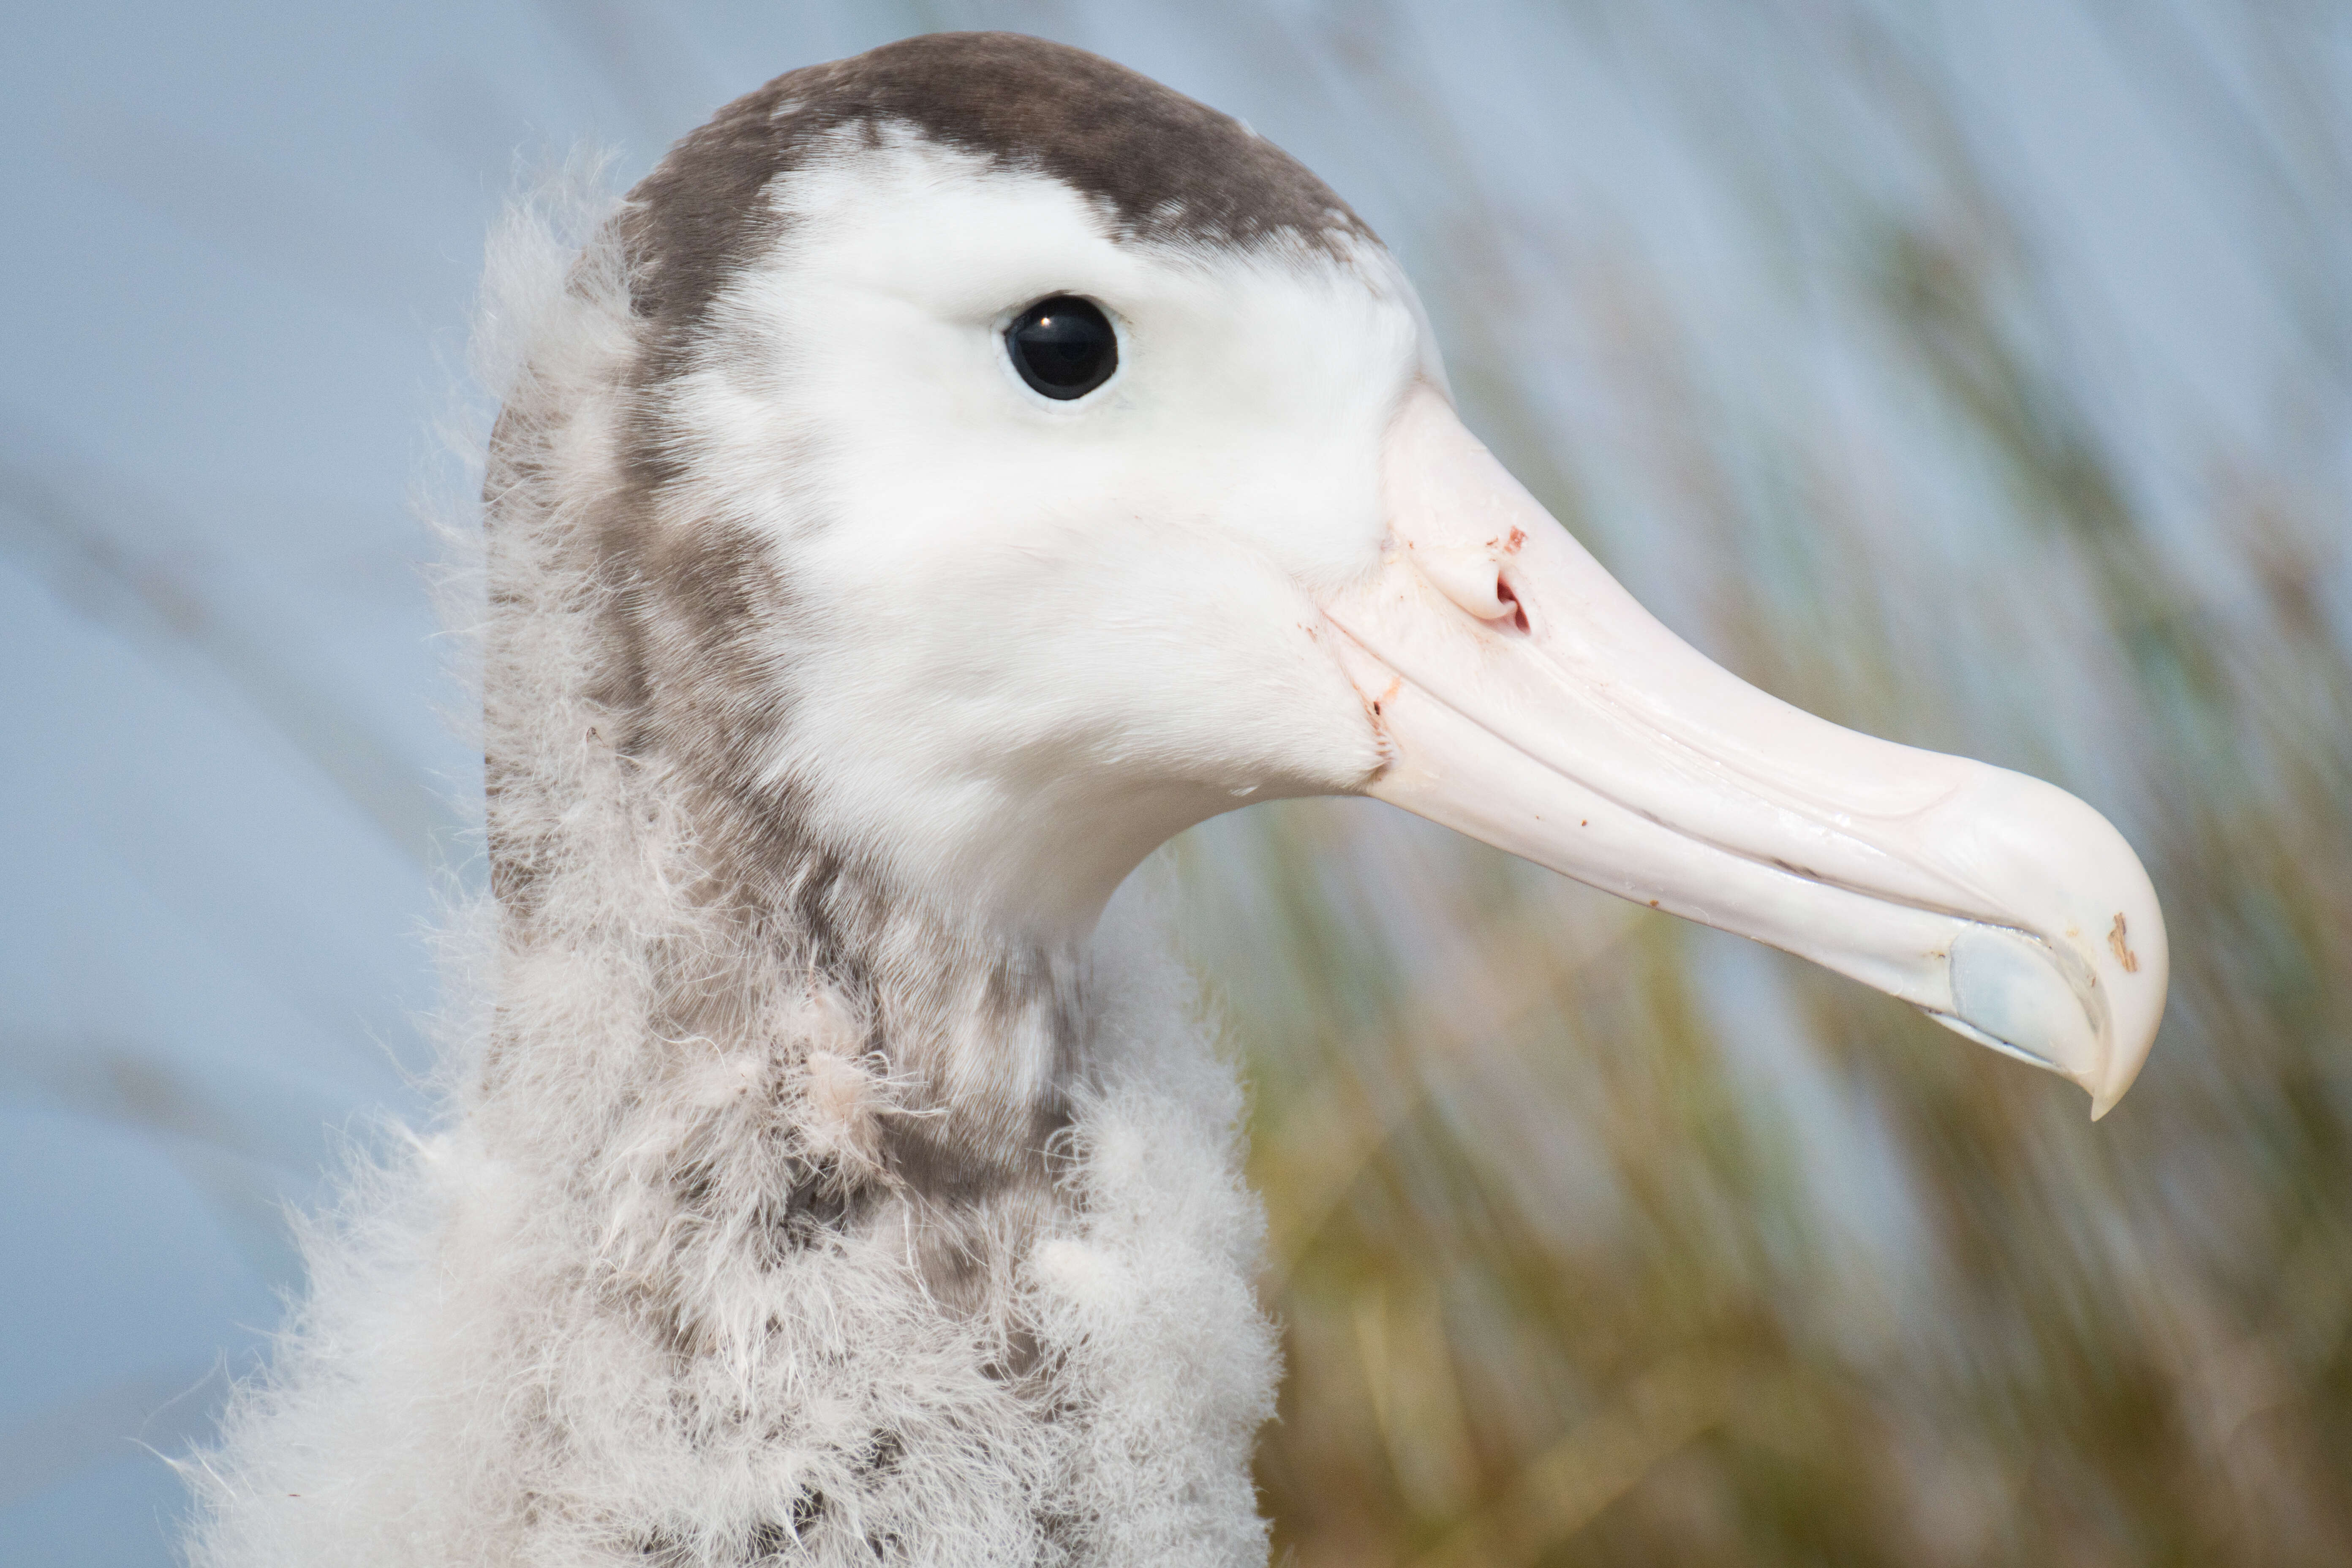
(754, 1051)
(732, 1028)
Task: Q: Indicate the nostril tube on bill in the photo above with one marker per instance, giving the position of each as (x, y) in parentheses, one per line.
(1518, 611)
(1469, 576)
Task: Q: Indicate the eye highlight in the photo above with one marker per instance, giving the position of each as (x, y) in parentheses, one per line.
(1062, 347)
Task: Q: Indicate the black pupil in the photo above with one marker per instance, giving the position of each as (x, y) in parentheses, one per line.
(1062, 346)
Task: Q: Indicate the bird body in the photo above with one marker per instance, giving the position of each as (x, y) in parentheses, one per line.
(817, 1183)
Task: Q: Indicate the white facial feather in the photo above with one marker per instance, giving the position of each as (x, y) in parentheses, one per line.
(1036, 639)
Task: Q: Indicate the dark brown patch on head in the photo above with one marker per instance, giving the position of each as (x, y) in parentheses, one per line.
(1158, 165)
(694, 661)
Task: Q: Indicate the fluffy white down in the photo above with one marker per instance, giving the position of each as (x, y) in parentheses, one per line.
(519, 1347)
(450, 1293)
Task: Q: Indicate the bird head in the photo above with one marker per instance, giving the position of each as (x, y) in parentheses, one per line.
(1027, 463)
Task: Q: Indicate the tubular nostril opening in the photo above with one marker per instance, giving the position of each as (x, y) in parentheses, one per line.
(1518, 611)
(1469, 577)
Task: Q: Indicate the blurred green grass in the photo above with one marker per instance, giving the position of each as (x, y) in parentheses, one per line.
(1599, 1239)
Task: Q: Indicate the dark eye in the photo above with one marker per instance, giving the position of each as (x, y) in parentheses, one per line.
(1062, 346)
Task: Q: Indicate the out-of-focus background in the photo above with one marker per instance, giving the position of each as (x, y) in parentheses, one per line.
(1978, 375)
